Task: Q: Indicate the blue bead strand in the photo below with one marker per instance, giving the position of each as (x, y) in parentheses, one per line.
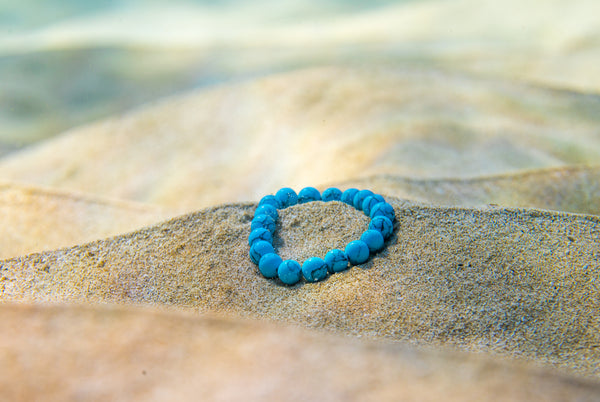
(336, 261)
(308, 194)
(316, 269)
(260, 234)
(332, 194)
(268, 265)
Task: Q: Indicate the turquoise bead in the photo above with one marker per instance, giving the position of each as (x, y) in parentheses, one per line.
(336, 261)
(286, 197)
(374, 240)
(357, 252)
(260, 248)
(263, 221)
(383, 209)
(360, 197)
(383, 224)
(348, 196)
(370, 202)
(260, 234)
(332, 194)
(314, 269)
(308, 194)
(268, 200)
(267, 210)
(268, 265)
(289, 272)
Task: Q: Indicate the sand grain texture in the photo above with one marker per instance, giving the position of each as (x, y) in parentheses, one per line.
(521, 283)
(478, 119)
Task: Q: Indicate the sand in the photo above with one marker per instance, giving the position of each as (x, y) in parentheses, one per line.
(125, 269)
(316, 126)
(516, 283)
(36, 219)
(569, 189)
(149, 355)
(495, 251)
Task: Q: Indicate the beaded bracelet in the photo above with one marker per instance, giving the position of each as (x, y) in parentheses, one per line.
(316, 269)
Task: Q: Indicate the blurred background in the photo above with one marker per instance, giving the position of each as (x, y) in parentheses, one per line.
(118, 115)
(65, 63)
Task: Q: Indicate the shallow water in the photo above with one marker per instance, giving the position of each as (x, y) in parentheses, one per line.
(56, 74)
(65, 63)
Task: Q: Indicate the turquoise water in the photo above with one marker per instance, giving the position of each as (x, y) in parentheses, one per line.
(27, 14)
(47, 90)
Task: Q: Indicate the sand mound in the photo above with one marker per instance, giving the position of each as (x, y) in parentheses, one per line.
(569, 189)
(509, 282)
(312, 127)
(36, 219)
(140, 354)
(405, 116)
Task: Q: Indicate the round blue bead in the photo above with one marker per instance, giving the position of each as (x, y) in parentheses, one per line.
(336, 261)
(268, 265)
(289, 272)
(314, 269)
(360, 197)
(260, 248)
(286, 197)
(357, 252)
(308, 194)
(374, 239)
(268, 200)
(267, 209)
(383, 224)
(370, 202)
(260, 234)
(348, 196)
(383, 209)
(332, 194)
(263, 221)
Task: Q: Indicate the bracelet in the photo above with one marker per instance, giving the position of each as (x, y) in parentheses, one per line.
(316, 269)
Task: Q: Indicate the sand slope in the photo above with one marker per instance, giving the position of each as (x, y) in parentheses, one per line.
(569, 189)
(140, 354)
(316, 126)
(512, 282)
(36, 219)
(448, 106)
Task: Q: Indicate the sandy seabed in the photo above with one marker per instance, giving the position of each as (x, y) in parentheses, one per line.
(125, 271)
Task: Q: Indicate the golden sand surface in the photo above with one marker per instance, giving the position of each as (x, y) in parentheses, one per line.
(149, 355)
(569, 189)
(125, 270)
(515, 283)
(36, 219)
(315, 126)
